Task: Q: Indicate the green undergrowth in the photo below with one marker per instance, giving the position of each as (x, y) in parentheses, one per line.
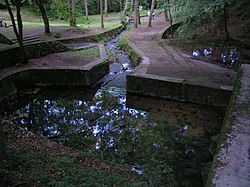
(38, 169)
(123, 44)
(89, 52)
(111, 55)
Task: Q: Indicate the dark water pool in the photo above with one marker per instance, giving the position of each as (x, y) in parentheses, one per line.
(167, 142)
(228, 55)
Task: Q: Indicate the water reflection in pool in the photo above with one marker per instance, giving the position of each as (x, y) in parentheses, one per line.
(161, 140)
(227, 54)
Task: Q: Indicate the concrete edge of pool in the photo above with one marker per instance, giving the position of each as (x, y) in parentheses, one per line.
(86, 75)
(139, 82)
(231, 164)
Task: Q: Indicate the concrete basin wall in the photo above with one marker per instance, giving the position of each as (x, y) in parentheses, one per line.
(176, 89)
(55, 76)
(231, 166)
(139, 82)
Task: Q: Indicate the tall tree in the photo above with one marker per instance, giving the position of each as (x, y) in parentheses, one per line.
(136, 14)
(125, 7)
(131, 8)
(44, 15)
(72, 8)
(151, 13)
(165, 9)
(120, 1)
(170, 11)
(106, 8)
(86, 9)
(18, 32)
(2, 144)
(225, 19)
(101, 12)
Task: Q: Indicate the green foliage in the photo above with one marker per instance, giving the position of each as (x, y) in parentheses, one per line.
(58, 9)
(195, 13)
(58, 171)
(89, 52)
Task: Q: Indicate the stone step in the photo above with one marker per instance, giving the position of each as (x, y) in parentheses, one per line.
(28, 39)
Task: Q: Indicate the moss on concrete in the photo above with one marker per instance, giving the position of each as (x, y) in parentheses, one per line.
(135, 56)
(105, 36)
(225, 128)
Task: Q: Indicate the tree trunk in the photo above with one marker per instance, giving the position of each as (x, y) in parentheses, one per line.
(73, 13)
(125, 7)
(136, 14)
(170, 17)
(106, 8)
(101, 12)
(151, 13)
(131, 8)
(165, 9)
(86, 9)
(225, 20)
(19, 32)
(120, 5)
(139, 17)
(2, 144)
(44, 16)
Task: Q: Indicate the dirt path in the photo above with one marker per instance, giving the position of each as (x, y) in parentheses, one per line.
(166, 60)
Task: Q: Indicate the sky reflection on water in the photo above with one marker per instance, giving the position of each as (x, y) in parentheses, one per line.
(228, 56)
(104, 126)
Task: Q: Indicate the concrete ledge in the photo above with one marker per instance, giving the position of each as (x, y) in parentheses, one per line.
(176, 89)
(231, 166)
(94, 38)
(55, 76)
(138, 82)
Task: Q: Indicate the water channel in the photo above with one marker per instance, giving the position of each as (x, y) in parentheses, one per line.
(169, 142)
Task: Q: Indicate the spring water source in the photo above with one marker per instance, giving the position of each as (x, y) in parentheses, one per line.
(166, 142)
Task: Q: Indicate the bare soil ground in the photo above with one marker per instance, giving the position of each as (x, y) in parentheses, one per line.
(66, 59)
(238, 24)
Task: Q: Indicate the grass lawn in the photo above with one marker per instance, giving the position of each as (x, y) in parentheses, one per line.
(33, 25)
